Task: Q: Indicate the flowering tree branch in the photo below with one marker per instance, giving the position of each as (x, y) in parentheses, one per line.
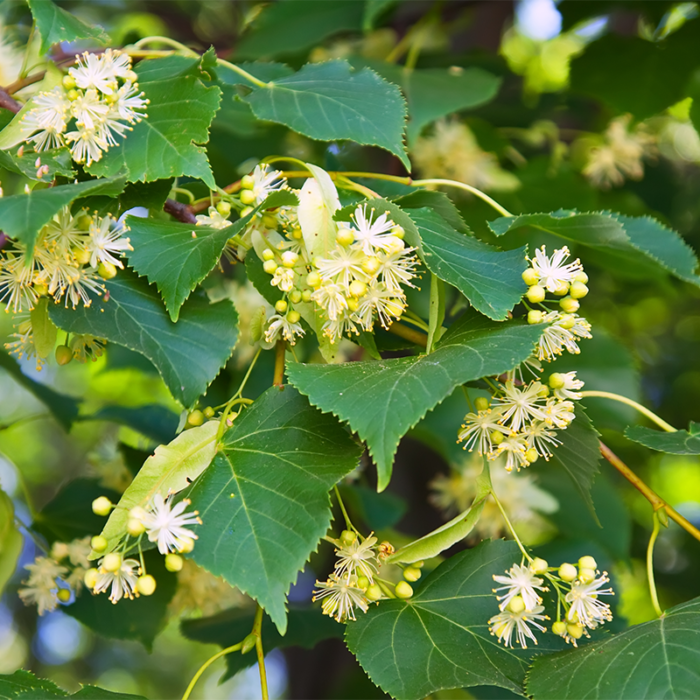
(9, 102)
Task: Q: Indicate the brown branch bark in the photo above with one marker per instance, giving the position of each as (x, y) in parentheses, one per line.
(180, 211)
(9, 102)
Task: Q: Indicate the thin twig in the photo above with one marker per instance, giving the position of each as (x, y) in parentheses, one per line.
(180, 211)
(8, 102)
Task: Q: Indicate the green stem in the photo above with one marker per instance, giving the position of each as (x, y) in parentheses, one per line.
(257, 631)
(243, 73)
(642, 409)
(650, 566)
(280, 351)
(348, 522)
(235, 398)
(416, 320)
(408, 334)
(510, 526)
(468, 188)
(206, 665)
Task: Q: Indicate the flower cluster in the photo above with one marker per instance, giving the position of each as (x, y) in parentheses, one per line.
(55, 578)
(163, 524)
(97, 102)
(71, 257)
(578, 606)
(354, 583)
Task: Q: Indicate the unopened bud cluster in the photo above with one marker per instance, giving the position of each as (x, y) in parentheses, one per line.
(578, 606)
(96, 102)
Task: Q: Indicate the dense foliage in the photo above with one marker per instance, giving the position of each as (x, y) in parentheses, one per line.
(361, 294)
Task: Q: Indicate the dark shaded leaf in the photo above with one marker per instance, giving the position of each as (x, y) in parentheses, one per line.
(682, 442)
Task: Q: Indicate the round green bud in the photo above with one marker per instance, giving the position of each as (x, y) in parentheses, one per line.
(81, 255)
(73, 95)
(249, 643)
(394, 244)
(398, 231)
(557, 380)
(578, 290)
(562, 289)
(559, 627)
(63, 594)
(587, 562)
(481, 403)
(586, 575)
(134, 527)
(102, 506)
(184, 545)
(569, 305)
(138, 513)
(269, 221)
(516, 604)
(497, 437)
(209, 412)
(41, 289)
(106, 270)
(535, 294)
(531, 455)
(270, 266)
(245, 211)
(293, 316)
(174, 562)
(353, 303)
(358, 288)
(297, 233)
(223, 207)
(247, 197)
(289, 258)
(68, 82)
(347, 537)
(535, 316)
(543, 392)
(574, 631)
(531, 277)
(581, 277)
(370, 265)
(411, 573)
(295, 296)
(99, 543)
(63, 355)
(195, 418)
(373, 592)
(306, 295)
(403, 590)
(83, 221)
(567, 321)
(247, 182)
(362, 583)
(281, 306)
(313, 279)
(268, 254)
(567, 572)
(90, 578)
(146, 585)
(112, 562)
(345, 236)
(538, 565)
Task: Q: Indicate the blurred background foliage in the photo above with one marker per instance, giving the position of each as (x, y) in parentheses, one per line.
(593, 109)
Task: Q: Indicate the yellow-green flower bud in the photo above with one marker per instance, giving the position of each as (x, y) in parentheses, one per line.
(73, 95)
(403, 590)
(531, 455)
(270, 266)
(293, 316)
(516, 604)
(559, 627)
(184, 545)
(569, 305)
(68, 82)
(578, 290)
(362, 583)
(81, 255)
(63, 355)
(90, 578)
(247, 197)
(268, 254)
(587, 562)
(297, 233)
(209, 412)
(358, 288)
(370, 265)
(195, 418)
(102, 506)
(581, 277)
(269, 220)
(535, 294)
(345, 236)
(112, 562)
(574, 631)
(289, 258)
(247, 182)
(481, 403)
(347, 537)
(394, 244)
(281, 306)
(557, 380)
(535, 316)
(586, 575)
(174, 562)
(567, 321)
(63, 594)
(313, 279)
(538, 565)
(146, 585)
(99, 543)
(543, 392)
(531, 277)
(411, 573)
(373, 593)
(223, 207)
(567, 572)
(562, 289)
(353, 304)
(497, 437)
(106, 270)
(398, 231)
(306, 295)
(295, 296)
(134, 527)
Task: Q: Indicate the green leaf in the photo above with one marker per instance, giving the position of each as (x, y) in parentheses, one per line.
(171, 468)
(658, 659)
(579, 455)
(378, 511)
(626, 235)
(438, 201)
(68, 515)
(140, 619)
(22, 681)
(58, 161)
(91, 692)
(445, 536)
(10, 541)
(55, 25)
(152, 420)
(306, 628)
(439, 638)
(374, 9)
(290, 26)
(490, 278)
(188, 355)
(63, 408)
(176, 257)
(383, 400)
(328, 102)
(43, 330)
(24, 215)
(264, 500)
(682, 442)
(169, 141)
